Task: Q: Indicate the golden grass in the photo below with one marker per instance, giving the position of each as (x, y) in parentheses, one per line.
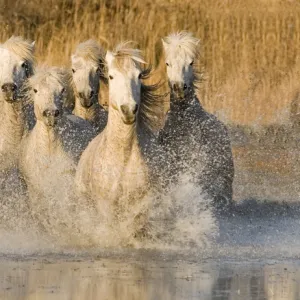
(250, 48)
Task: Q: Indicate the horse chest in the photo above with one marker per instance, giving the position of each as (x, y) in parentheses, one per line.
(115, 178)
(12, 130)
(43, 157)
(9, 143)
(182, 136)
(184, 148)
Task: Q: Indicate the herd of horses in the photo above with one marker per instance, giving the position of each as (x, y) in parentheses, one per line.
(52, 126)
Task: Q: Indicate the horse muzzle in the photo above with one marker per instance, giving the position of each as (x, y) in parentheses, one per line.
(178, 90)
(87, 101)
(129, 120)
(129, 113)
(51, 117)
(9, 91)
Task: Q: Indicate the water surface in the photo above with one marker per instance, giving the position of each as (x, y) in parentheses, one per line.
(136, 278)
(253, 252)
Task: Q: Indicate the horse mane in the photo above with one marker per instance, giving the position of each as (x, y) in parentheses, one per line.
(90, 50)
(22, 48)
(125, 56)
(66, 79)
(182, 41)
(151, 113)
(46, 75)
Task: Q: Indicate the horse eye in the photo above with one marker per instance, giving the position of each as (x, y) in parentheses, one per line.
(110, 77)
(167, 64)
(191, 63)
(63, 90)
(140, 76)
(98, 71)
(24, 66)
(35, 90)
(73, 70)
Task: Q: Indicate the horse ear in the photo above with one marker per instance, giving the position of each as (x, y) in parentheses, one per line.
(158, 53)
(73, 58)
(140, 60)
(101, 61)
(109, 57)
(33, 46)
(165, 45)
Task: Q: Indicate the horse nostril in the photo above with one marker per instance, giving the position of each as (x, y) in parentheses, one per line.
(56, 113)
(49, 112)
(135, 108)
(81, 95)
(176, 87)
(185, 87)
(46, 113)
(124, 108)
(92, 94)
(8, 87)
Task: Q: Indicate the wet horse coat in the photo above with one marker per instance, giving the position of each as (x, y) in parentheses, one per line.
(195, 142)
(113, 171)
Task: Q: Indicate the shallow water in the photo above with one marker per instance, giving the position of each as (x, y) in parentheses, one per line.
(255, 256)
(251, 253)
(267, 164)
(145, 278)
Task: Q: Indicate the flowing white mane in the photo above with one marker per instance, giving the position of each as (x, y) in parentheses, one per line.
(20, 47)
(49, 76)
(181, 41)
(91, 51)
(124, 56)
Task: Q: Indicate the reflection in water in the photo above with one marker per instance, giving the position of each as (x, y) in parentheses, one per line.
(136, 280)
(282, 282)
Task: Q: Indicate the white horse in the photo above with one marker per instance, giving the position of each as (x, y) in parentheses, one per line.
(88, 70)
(112, 170)
(42, 151)
(16, 66)
(194, 141)
(49, 153)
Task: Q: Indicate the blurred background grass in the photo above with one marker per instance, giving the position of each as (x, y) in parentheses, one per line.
(250, 48)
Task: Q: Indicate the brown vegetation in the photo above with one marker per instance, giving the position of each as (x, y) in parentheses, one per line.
(250, 48)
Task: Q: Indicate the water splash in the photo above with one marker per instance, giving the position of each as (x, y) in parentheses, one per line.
(58, 220)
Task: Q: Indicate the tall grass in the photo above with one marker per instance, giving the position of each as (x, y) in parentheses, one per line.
(250, 48)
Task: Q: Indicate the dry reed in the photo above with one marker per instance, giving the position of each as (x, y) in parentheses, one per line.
(250, 48)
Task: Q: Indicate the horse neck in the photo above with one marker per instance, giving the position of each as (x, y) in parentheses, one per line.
(13, 118)
(190, 104)
(119, 136)
(46, 136)
(89, 114)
